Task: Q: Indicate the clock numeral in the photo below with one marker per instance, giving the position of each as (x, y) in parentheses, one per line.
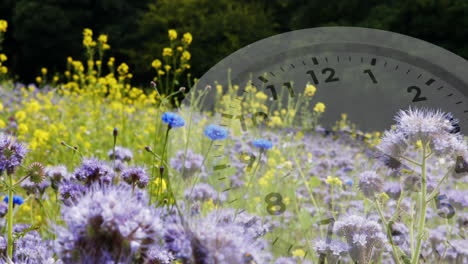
(275, 205)
(273, 91)
(290, 89)
(417, 97)
(371, 75)
(331, 75)
(330, 222)
(440, 204)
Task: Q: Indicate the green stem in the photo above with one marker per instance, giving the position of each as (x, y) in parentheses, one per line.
(395, 253)
(10, 217)
(422, 208)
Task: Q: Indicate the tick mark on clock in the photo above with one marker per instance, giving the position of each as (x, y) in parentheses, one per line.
(450, 94)
(338, 58)
(326, 59)
(408, 71)
(292, 65)
(459, 102)
(362, 59)
(419, 76)
(290, 247)
(314, 60)
(396, 68)
(276, 239)
(233, 201)
(226, 190)
(430, 81)
(222, 178)
(373, 61)
(303, 62)
(282, 69)
(272, 74)
(263, 79)
(440, 88)
(466, 111)
(385, 64)
(349, 58)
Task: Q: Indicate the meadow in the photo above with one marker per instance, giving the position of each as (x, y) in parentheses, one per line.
(101, 171)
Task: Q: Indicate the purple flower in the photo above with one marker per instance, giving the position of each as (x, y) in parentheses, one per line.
(189, 164)
(93, 170)
(70, 191)
(37, 189)
(393, 189)
(135, 176)
(262, 144)
(121, 153)
(334, 250)
(173, 120)
(12, 154)
(3, 209)
(108, 223)
(56, 174)
(363, 236)
(215, 132)
(370, 184)
(203, 192)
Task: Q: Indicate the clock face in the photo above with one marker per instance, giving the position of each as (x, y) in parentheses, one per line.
(288, 87)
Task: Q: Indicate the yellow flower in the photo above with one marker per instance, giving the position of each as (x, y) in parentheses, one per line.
(310, 90)
(25, 208)
(419, 144)
(87, 32)
(2, 124)
(209, 205)
(167, 52)
(187, 38)
(167, 68)
(41, 135)
(123, 69)
(319, 107)
(56, 78)
(106, 46)
(180, 48)
(20, 116)
(3, 25)
(157, 183)
(186, 66)
(102, 38)
(161, 72)
(22, 129)
(299, 253)
(1, 107)
(3, 70)
(186, 56)
(110, 63)
(38, 79)
(172, 34)
(383, 197)
(156, 64)
(88, 41)
(3, 57)
(261, 96)
(44, 71)
(334, 181)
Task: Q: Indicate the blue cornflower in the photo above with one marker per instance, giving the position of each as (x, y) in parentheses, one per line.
(215, 132)
(262, 144)
(16, 199)
(173, 120)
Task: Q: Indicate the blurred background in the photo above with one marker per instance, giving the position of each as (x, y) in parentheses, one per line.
(42, 33)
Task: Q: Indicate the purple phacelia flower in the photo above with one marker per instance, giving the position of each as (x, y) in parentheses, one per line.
(215, 132)
(108, 223)
(121, 153)
(393, 189)
(3, 209)
(56, 174)
(363, 236)
(70, 191)
(136, 176)
(12, 153)
(203, 192)
(370, 184)
(334, 250)
(173, 120)
(93, 170)
(37, 189)
(188, 164)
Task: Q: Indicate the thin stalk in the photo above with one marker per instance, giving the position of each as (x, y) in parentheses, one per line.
(395, 254)
(10, 216)
(422, 208)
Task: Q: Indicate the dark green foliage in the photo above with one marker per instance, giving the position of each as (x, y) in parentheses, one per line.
(45, 32)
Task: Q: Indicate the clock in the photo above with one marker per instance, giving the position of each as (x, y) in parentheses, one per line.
(286, 86)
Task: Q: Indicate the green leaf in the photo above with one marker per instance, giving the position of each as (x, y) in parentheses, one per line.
(314, 182)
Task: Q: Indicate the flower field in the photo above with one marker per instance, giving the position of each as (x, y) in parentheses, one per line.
(100, 171)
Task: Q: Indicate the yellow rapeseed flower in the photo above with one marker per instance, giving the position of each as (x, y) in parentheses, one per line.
(334, 181)
(310, 90)
(156, 64)
(3, 70)
(187, 38)
(319, 107)
(44, 71)
(123, 69)
(3, 57)
(20, 116)
(22, 129)
(2, 124)
(298, 253)
(3, 25)
(261, 96)
(172, 34)
(87, 32)
(180, 48)
(38, 79)
(102, 39)
(185, 56)
(1, 107)
(167, 68)
(167, 52)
